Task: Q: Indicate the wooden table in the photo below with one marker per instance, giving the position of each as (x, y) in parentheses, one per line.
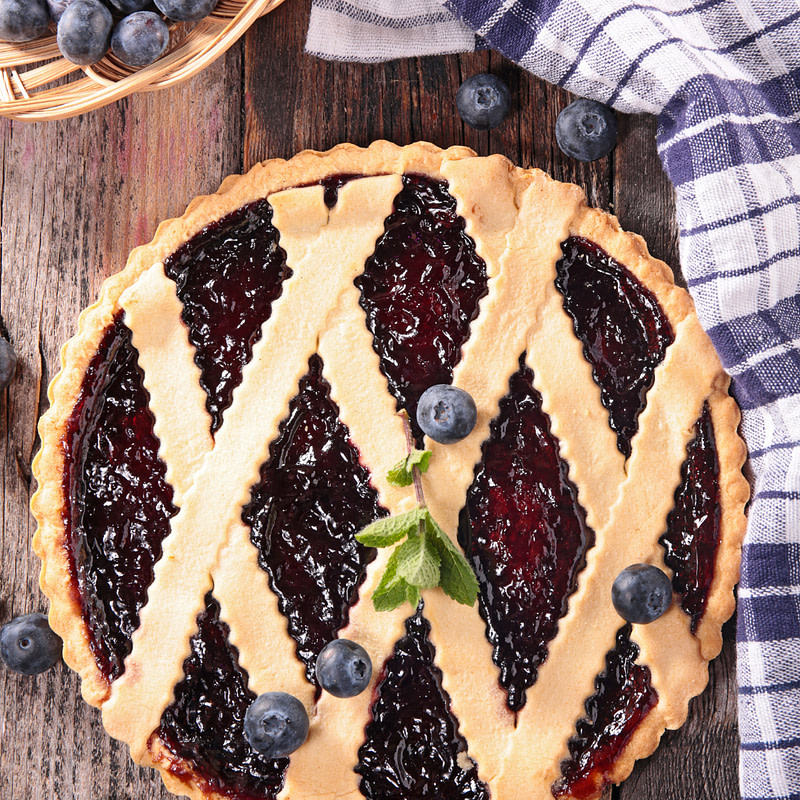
(78, 194)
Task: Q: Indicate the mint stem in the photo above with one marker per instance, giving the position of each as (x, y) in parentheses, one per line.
(416, 476)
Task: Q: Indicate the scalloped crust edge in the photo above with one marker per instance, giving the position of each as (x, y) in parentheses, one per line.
(631, 250)
(721, 602)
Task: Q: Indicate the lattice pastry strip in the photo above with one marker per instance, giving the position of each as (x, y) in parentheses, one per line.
(167, 359)
(520, 263)
(517, 219)
(368, 410)
(628, 533)
(183, 426)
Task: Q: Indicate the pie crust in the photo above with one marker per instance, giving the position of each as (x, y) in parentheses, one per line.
(517, 218)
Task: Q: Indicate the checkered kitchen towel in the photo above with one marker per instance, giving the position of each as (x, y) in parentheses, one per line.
(723, 76)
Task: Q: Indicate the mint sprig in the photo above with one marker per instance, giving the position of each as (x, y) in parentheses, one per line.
(427, 558)
(390, 530)
(402, 473)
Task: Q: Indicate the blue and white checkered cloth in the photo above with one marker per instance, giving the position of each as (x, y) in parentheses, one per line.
(723, 76)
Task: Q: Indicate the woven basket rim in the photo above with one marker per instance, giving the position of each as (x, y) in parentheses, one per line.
(27, 69)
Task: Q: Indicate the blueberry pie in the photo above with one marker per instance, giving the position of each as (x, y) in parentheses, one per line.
(224, 422)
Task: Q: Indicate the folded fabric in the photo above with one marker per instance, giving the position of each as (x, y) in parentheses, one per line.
(380, 30)
(723, 76)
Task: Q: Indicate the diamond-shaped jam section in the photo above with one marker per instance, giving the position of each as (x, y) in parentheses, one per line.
(413, 749)
(313, 497)
(203, 728)
(623, 698)
(525, 535)
(118, 503)
(692, 535)
(420, 290)
(624, 330)
(228, 275)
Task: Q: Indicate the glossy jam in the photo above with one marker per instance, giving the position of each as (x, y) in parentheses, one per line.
(624, 332)
(204, 726)
(228, 276)
(118, 503)
(693, 524)
(525, 534)
(412, 744)
(420, 290)
(623, 698)
(313, 496)
(332, 185)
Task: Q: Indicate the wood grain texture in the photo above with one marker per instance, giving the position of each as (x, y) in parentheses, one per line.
(78, 194)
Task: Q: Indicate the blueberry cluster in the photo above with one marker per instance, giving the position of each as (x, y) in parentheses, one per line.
(135, 30)
(276, 723)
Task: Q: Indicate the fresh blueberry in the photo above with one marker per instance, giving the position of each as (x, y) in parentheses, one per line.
(140, 38)
(23, 20)
(586, 130)
(28, 645)
(84, 31)
(128, 6)
(344, 668)
(8, 363)
(446, 414)
(483, 101)
(276, 724)
(186, 10)
(641, 593)
(58, 7)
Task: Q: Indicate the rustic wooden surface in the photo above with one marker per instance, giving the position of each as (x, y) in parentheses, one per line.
(77, 195)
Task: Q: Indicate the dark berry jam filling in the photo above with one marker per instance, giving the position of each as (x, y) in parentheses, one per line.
(313, 497)
(525, 535)
(204, 726)
(623, 698)
(118, 504)
(413, 748)
(692, 533)
(624, 331)
(228, 276)
(332, 185)
(420, 290)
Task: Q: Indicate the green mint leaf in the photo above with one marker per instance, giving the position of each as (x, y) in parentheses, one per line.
(389, 530)
(398, 475)
(420, 459)
(391, 591)
(393, 597)
(456, 576)
(412, 595)
(402, 473)
(418, 560)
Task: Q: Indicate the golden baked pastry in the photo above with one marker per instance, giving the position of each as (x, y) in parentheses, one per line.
(223, 424)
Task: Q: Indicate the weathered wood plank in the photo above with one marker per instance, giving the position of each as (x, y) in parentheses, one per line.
(77, 196)
(643, 197)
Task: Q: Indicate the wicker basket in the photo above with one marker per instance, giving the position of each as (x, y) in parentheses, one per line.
(32, 85)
